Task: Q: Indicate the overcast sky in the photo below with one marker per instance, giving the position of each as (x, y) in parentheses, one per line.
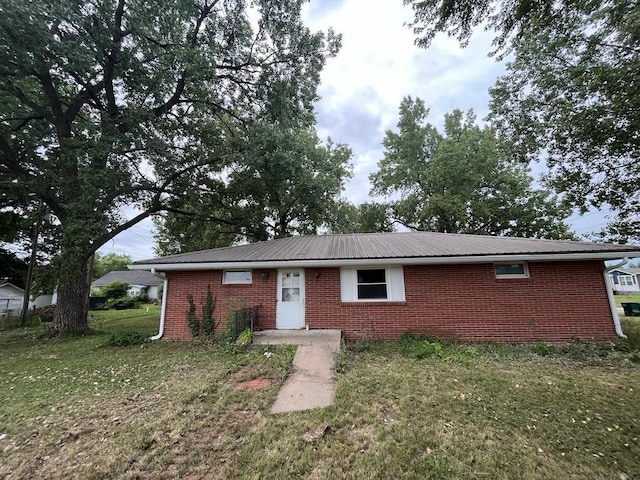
(362, 88)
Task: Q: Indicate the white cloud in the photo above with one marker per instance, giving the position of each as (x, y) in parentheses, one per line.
(378, 65)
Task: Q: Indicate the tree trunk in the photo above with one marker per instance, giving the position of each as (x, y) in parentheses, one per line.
(73, 295)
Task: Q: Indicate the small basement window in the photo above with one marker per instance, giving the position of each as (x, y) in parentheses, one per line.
(236, 276)
(511, 270)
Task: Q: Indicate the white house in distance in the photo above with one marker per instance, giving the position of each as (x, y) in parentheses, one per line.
(10, 299)
(140, 282)
(625, 280)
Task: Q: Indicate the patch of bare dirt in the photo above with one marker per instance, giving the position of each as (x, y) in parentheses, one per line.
(255, 384)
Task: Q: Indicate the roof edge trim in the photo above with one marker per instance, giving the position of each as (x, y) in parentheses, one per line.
(381, 261)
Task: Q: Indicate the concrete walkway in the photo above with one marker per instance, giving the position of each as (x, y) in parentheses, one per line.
(311, 385)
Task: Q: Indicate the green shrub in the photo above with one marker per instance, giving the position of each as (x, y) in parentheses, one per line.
(192, 321)
(125, 338)
(115, 290)
(427, 348)
(245, 338)
(542, 348)
(208, 324)
(631, 327)
(205, 325)
(123, 303)
(142, 297)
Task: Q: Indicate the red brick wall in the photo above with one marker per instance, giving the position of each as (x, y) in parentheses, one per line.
(561, 301)
(262, 293)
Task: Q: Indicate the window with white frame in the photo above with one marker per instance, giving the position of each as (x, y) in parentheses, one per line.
(236, 277)
(511, 270)
(626, 280)
(363, 284)
(372, 284)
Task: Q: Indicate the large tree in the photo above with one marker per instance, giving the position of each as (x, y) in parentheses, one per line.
(288, 182)
(105, 263)
(570, 93)
(368, 217)
(461, 181)
(194, 227)
(110, 103)
(283, 181)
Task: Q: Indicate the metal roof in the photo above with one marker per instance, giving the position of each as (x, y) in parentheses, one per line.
(398, 245)
(132, 277)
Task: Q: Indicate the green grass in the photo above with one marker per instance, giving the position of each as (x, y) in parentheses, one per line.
(72, 408)
(627, 298)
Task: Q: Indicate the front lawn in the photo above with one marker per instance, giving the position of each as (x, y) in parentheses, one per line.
(632, 298)
(408, 409)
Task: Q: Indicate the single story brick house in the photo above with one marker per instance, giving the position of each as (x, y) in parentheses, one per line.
(470, 287)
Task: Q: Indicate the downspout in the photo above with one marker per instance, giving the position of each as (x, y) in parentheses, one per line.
(162, 311)
(612, 302)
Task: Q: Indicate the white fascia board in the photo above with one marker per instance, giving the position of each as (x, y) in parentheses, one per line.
(548, 257)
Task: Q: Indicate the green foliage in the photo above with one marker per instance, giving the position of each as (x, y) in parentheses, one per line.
(293, 180)
(427, 349)
(125, 338)
(631, 328)
(179, 233)
(115, 290)
(566, 96)
(90, 91)
(13, 269)
(462, 181)
(146, 443)
(283, 181)
(192, 320)
(364, 218)
(13, 322)
(245, 338)
(205, 325)
(142, 297)
(103, 264)
(566, 93)
(208, 323)
(542, 348)
(123, 303)
(11, 224)
(509, 20)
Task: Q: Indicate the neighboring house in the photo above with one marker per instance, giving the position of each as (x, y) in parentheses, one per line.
(11, 298)
(43, 300)
(469, 287)
(625, 280)
(139, 281)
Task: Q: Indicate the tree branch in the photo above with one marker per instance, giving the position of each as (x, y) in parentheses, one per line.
(63, 127)
(155, 208)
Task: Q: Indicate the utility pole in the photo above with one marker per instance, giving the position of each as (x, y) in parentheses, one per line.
(32, 264)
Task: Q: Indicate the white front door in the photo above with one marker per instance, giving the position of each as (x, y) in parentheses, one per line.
(290, 305)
